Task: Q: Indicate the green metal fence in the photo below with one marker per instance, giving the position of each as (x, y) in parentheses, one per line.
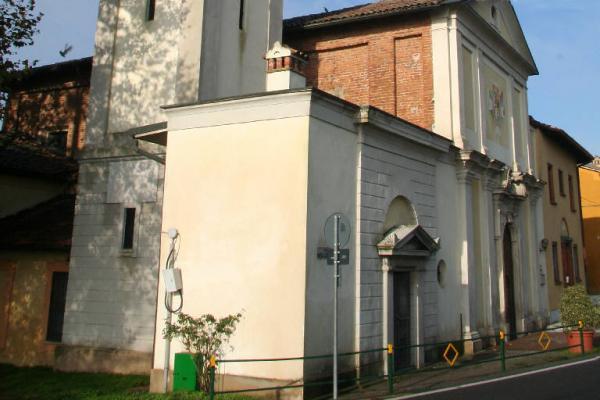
(451, 354)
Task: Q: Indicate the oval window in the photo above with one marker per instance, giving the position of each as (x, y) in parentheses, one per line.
(441, 273)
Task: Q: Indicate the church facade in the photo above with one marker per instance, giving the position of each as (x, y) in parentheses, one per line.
(416, 128)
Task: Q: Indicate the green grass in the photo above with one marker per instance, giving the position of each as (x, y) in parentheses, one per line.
(45, 384)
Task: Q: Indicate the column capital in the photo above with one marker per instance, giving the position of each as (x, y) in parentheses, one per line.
(385, 265)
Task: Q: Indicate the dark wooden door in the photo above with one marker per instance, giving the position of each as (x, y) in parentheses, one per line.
(509, 285)
(402, 319)
(56, 311)
(567, 261)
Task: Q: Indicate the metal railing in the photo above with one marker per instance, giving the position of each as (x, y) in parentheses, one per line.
(451, 354)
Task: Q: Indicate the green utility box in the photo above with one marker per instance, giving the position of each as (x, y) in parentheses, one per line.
(184, 373)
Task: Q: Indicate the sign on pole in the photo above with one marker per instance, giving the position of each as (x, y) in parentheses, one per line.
(337, 234)
(344, 230)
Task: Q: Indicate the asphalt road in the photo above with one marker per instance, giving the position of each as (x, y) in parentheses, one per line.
(571, 382)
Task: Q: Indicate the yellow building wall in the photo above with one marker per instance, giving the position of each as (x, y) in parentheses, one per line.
(25, 283)
(590, 206)
(548, 151)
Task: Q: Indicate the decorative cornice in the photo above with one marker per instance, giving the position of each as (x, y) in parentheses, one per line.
(473, 164)
(400, 127)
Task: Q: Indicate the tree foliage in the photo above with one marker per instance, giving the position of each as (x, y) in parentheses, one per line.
(204, 337)
(576, 305)
(18, 25)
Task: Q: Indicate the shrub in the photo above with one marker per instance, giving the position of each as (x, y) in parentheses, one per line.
(204, 337)
(576, 305)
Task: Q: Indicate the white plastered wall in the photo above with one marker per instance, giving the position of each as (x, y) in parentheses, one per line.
(232, 58)
(332, 188)
(237, 193)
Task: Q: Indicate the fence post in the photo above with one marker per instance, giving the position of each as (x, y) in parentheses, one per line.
(390, 368)
(581, 337)
(212, 368)
(503, 351)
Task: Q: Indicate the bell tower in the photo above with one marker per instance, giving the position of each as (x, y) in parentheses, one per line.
(151, 53)
(148, 54)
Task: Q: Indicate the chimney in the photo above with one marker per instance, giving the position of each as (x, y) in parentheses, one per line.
(285, 68)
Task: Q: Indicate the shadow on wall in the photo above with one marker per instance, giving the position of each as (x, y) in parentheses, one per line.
(112, 294)
(146, 68)
(26, 343)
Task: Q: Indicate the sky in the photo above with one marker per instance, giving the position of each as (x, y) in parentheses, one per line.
(564, 37)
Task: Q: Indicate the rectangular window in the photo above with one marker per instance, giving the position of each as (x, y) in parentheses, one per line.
(572, 194)
(57, 142)
(555, 265)
(551, 184)
(128, 228)
(241, 19)
(576, 263)
(56, 311)
(561, 183)
(150, 9)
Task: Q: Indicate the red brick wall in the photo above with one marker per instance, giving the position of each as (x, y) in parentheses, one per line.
(384, 63)
(39, 112)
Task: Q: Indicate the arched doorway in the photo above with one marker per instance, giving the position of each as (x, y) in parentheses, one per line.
(510, 311)
(404, 250)
(401, 214)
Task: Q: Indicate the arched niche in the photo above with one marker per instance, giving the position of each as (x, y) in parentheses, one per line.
(564, 229)
(400, 213)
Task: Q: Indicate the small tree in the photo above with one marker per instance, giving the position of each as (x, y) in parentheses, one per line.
(576, 305)
(204, 337)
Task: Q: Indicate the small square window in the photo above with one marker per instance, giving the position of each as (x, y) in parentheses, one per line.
(57, 142)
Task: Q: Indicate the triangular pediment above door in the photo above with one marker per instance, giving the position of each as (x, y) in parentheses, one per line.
(407, 240)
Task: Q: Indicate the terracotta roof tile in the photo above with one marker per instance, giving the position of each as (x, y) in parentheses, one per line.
(378, 8)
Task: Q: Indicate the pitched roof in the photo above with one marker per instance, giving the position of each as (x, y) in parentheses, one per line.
(594, 165)
(563, 139)
(79, 70)
(377, 9)
(46, 226)
(25, 155)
